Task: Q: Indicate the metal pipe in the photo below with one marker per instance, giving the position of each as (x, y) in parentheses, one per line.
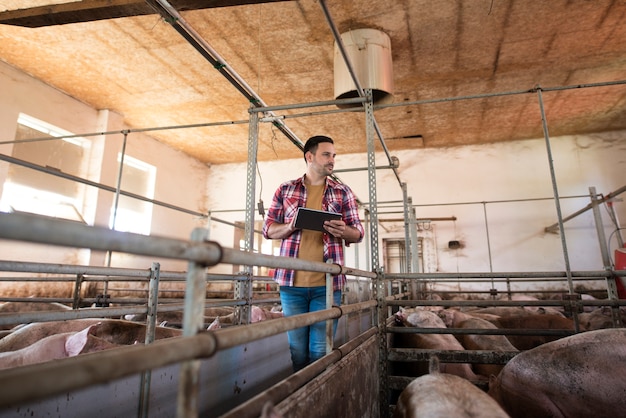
(514, 303)
(48, 316)
(183, 28)
(193, 322)
(101, 186)
(33, 228)
(481, 331)
(611, 195)
(503, 274)
(452, 356)
(31, 267)
(17, 384)
(146, 376)
(555, 189)
(124, 131)
(336, 102)
(498, 94)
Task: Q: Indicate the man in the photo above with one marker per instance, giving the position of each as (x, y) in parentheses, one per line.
(303, 291)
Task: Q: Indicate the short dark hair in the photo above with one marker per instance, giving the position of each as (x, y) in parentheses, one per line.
(314, 141)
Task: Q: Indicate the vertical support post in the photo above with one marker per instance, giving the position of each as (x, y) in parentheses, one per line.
(613, 215)
(487, 236)
(367, 240)
(597, 216)
(193, 321)
(153, 300)
(406, 203)
(379, 289)
(329, 304)
(413, 260)
(118, 187)
(243, 288)
(494, 291)
(77, 287)
(611, 286)
(557, 202)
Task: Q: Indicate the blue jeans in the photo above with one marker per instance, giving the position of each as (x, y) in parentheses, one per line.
(307, 344)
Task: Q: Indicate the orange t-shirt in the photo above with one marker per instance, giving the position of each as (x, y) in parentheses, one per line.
(312, 243)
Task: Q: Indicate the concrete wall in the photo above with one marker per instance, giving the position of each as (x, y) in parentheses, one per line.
(501, 195)
(180, 180)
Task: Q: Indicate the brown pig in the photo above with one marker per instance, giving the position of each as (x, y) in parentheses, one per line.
(115, 331)
(577, 376)
(456, 319)
(429, 319)
(441, 395)
(55, 347)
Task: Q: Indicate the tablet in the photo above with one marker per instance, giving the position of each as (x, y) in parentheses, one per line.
(313, 219)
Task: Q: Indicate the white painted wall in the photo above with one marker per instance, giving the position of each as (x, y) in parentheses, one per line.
(509, 177)
(180, 180)
(499, 182)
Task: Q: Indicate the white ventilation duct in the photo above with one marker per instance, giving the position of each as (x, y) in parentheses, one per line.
(369, 52)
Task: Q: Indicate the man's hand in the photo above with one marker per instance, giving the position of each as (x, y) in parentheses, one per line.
(338, 229)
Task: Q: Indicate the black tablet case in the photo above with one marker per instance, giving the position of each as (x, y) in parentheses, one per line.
(314, 219)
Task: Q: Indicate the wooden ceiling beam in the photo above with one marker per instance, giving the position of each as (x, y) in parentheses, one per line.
(91, 10)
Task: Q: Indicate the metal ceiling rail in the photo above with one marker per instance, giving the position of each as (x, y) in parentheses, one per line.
(127, 131)
(171, 16)
(499, 94)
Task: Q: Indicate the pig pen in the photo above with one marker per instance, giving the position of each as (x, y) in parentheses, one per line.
(212, 372)
(546, 293)
(234, 376)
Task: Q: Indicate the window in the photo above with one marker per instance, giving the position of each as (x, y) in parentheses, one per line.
(32, 191)
(132, 214)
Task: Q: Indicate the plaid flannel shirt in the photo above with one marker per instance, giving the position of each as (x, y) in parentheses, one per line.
(289, 196)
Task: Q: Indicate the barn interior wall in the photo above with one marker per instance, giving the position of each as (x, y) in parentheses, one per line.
(180, 180)
(496, 183)
(507, 183)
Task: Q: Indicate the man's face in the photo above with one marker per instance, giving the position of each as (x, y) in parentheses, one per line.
(323, 161)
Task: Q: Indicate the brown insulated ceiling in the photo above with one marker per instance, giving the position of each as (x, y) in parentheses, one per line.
(122, 55)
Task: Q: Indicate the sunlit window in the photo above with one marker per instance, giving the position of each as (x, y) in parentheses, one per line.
(132, 214)
(33, 191)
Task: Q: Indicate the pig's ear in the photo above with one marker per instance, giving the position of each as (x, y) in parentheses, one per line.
(76, 342)
(492, 380)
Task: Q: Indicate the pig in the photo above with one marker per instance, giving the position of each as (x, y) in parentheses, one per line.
(429, 319)
(441, 395)
(600, 318)
(16, 307)
(174, 319)
(501, 311)
(258, 314)
(456, 319)
(56, 346)
(116, 331)
(577, 376)
(215, 325)
(538, 321)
